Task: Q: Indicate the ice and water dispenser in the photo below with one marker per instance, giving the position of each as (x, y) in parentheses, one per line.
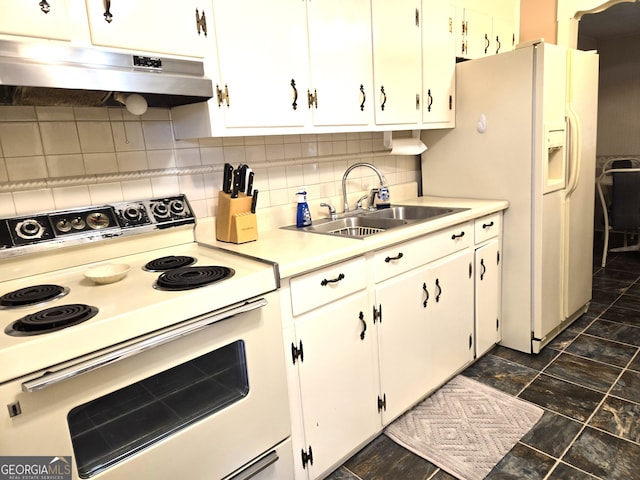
(554, 160)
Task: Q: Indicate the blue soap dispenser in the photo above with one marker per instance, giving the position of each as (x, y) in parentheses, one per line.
(303, 215)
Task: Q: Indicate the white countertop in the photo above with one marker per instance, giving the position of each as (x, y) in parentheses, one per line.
(296, 252)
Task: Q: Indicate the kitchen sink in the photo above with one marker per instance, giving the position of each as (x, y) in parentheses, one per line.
(357, 226)
(365, 223)
(414, 212)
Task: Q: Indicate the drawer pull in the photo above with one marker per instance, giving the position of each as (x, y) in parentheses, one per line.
(460, 235)
(364, 325)
(487, 225)
(397, 257)
(325, 282)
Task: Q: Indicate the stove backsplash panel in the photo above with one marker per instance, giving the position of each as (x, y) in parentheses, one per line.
(54, 158)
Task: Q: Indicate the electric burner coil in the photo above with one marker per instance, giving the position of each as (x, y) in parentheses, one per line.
(33, 295)
(169, 262)
(188, 278)
(51, 319)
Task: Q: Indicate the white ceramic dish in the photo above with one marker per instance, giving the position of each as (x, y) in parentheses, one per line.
(109, 273)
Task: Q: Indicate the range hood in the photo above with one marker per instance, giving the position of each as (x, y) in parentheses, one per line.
(48, 74)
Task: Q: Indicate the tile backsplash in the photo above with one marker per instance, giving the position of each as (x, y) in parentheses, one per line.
(65, 157)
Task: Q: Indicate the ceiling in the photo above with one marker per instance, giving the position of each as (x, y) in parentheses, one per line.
(619, 20)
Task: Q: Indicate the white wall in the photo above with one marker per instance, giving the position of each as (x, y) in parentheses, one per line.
(63, 157)
(619, 97)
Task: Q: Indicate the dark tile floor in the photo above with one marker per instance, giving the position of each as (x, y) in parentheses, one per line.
(588, 382)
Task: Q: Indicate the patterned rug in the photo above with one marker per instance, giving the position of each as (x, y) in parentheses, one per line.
(465, 427)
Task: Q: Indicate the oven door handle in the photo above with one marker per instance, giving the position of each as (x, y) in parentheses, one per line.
(165, 336)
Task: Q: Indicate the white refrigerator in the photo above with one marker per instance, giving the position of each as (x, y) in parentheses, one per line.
(526, 132)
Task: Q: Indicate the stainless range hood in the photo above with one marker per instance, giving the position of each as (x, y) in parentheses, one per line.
(65, 75)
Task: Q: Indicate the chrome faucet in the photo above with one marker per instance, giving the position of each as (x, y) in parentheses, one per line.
(383, 182)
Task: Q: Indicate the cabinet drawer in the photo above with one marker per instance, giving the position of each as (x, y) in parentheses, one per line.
(414, 253)
(488, 227)
(328, 284)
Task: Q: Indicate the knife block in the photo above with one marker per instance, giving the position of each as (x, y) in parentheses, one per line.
(234, 221)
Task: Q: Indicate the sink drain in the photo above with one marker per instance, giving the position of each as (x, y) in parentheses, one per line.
(356, 231)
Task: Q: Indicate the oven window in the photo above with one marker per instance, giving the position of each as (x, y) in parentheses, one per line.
(116, 426)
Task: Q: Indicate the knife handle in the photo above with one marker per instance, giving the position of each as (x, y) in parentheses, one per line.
(254, 201)
(250, 183)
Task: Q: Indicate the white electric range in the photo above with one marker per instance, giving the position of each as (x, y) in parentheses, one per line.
(67, 343)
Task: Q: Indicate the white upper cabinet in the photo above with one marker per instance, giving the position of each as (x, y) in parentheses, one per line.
(396, 61)
(438, 63)
(163, 26)
(46, 19)
(476, 29)
(488, 28)
(341, 91)
(263, 62)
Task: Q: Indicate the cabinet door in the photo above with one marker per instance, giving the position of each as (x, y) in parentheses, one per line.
(438, 63)
(337, 379)
(341, 62)
(478, 27)
(263, 60)
(30, 19)
(450, 316)
(162, 26)
(503, 36)
(403, 335)
(396, 61)
(487, 285)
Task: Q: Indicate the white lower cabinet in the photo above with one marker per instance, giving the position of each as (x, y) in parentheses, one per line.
(488, 282)
(425, 330)
(368, 338)
(338, 384)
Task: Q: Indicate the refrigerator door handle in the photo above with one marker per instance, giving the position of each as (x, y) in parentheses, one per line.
(573, 150)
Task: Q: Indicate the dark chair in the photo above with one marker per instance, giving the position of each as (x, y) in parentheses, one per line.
(622, 207)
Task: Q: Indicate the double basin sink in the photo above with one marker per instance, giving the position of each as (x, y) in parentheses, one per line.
(362, 224)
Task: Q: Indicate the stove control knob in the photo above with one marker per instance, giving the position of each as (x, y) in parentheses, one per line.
(177, 207)
(78, 223)
(160, 210)
(63, 225)
(132, 213)
(29, 229)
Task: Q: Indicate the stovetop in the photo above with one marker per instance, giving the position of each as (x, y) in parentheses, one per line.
(126, 309)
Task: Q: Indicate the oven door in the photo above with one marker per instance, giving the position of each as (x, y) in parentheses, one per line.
(199, 401)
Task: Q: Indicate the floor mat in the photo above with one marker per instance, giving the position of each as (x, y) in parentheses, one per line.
(465, 427)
